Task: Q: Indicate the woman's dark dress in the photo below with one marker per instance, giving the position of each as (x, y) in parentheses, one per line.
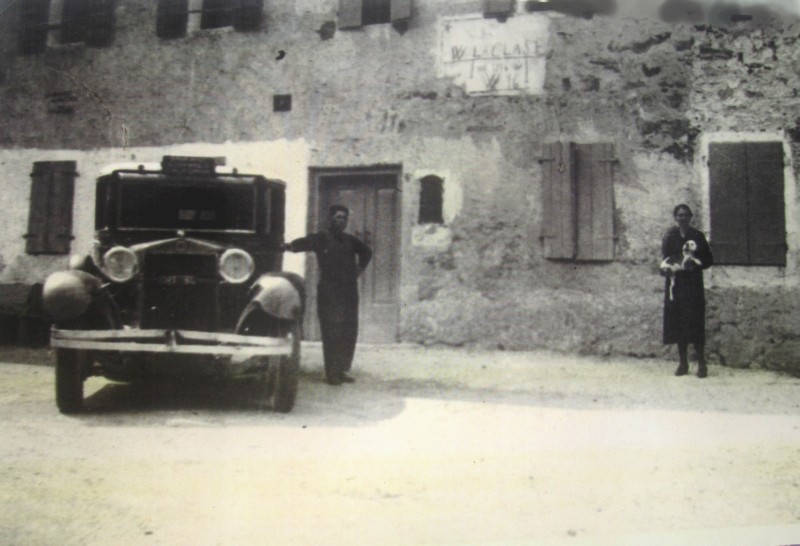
(685, 315)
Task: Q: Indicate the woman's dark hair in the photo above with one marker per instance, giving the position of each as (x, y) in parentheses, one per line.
(680, 207)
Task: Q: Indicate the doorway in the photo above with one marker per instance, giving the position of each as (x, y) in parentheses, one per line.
(373, 197)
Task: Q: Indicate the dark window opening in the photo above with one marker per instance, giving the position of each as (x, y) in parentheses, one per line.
(281, 103)
(50, 212)
(374, 12)
(357, 13)
(74, 19)
(431, 196)
(217, 14)
(748, 212)
(82, 21)
(89, 21)
(172, 18)
(247, 16)
(33, 26)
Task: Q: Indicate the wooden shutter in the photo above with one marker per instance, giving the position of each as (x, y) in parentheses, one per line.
(765, 203)
(172, 18)
(400, 10)
(595, 201)
(100, 24)
(728, 195)
(248, 15)
(349, 14)
(34, 25)
(558, 202)
(50, 216)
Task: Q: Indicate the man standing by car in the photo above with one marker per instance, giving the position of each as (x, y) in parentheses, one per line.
(341, 258)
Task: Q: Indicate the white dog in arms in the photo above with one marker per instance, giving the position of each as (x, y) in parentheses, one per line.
(669, 266)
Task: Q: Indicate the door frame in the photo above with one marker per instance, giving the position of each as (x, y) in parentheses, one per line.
(312, 224)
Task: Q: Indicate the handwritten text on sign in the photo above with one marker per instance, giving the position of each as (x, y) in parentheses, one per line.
(489, 57)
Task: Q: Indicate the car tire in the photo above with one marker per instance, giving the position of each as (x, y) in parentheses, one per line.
(284, 374)
(71, 365)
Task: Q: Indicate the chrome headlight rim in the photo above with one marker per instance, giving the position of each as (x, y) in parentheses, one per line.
(233, 253)
(129, 270)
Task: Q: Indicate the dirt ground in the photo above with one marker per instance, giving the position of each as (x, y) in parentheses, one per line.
(429, 446)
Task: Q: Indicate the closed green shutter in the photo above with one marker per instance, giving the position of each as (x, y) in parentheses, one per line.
(558, 202)
(765, 203)
(729, 207)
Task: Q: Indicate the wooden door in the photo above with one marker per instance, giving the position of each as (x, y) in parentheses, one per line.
(374, 203)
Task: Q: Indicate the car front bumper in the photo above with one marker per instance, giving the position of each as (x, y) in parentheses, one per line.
(170, 341)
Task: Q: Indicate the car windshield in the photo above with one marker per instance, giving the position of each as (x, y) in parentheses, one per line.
(184, 205)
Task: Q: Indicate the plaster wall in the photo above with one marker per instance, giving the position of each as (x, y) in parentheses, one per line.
(658, 92)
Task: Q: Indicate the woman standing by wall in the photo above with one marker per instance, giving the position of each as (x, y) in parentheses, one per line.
(685, 252)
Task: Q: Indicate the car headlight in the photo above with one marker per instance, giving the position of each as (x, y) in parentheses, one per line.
(236, 266)
(120, 264)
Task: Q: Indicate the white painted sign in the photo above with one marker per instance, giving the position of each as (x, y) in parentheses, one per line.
(492, 58)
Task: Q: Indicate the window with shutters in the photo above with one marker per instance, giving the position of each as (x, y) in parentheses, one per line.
(358, 13)
(33, 26)
(748, 216)
(172, 17)
(431, 196)
(50, 213)
(578, 202)
(81, 21)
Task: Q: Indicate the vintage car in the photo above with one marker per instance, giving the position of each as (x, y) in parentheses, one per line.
(184, 279)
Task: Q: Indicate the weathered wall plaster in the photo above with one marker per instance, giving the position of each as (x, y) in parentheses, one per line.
(658, 92)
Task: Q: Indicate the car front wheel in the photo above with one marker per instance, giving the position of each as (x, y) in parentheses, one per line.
(71, 366)
(284, 371)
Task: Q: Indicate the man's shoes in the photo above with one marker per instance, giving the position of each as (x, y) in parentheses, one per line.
(347, 378)
(335, 381)
(683, 369)
(702, 371)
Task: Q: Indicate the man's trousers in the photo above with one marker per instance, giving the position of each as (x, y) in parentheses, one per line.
(338, 346)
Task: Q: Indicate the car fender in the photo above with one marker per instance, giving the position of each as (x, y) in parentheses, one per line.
(277, 296)
(274, 298)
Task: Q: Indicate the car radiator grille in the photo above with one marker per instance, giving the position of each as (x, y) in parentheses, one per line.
(180, 291)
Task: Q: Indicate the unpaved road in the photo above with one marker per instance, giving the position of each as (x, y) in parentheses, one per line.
(430, 446)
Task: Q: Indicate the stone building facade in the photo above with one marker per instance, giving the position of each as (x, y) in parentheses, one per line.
(515, 166)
